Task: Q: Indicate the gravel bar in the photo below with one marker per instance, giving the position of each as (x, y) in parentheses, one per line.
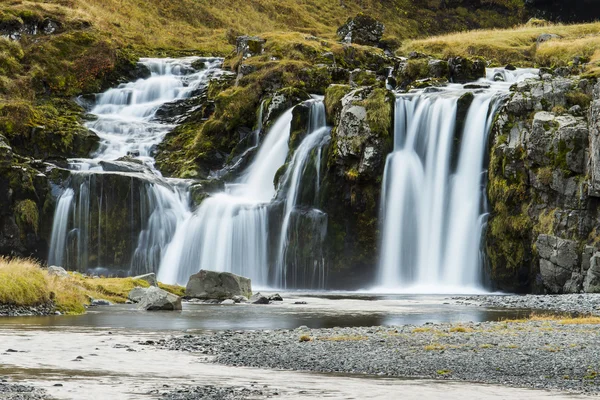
(588, 303)
(532, 354)
(11, 391)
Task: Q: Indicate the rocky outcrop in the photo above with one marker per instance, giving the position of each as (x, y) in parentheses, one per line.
(361, 29)
(137, 294)
(208, 285)
(543, 226)
(248, 46)
(156, 299)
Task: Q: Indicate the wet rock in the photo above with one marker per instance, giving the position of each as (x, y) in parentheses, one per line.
(137, 294)
(240, 299)
(57, 271)
(157, 299)
(275, 297)
(258, 298)
(150, 278)
(100, 302)
(558, 260)
(228, 302)
(438, 69)
(361, 29)
(463, 70)
(217, 285)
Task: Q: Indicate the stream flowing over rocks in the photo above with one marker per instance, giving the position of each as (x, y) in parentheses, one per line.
(535, 354)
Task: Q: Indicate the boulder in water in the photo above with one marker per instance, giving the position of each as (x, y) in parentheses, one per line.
(150, 278)
(275, 297)
(157, 299)
(240, 299)
(361, 29)
(258, 298)
(217, 285)
(137, 294)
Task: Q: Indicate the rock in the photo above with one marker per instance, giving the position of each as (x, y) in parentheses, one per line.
(157, 299)
(240, 299)
(100, 302)
(275, 297)
(463, 70)
(361, 29)
(594, 124)
(573, 285)
(150, 278)
(544, 37)
(228, 302)
(137, 294)
(591, 284)
(558, 260)
(57, 271)
(217, 285)
(438, 69)
(249, 46)
(258, 298)
(477, 86)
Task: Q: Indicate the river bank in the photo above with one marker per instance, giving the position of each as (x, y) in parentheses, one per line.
(583, 303)
(92, 363)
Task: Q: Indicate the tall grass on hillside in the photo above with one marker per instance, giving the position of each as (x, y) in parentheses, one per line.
(518, 45)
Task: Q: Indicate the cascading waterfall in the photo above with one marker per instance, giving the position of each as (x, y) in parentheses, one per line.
(286, 272)
(229, 231)
(433, 197)
(119, 216)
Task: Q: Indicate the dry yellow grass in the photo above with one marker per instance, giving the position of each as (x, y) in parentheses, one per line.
(461, 329)
(24, 283)
(561, 319)
(344, 338)
(435, 347)
(517, 45)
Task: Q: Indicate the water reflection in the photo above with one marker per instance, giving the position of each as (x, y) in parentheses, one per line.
(324, 311)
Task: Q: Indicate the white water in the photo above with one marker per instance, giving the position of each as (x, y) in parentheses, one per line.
(126, 125)
(433, 191)
(317, 137)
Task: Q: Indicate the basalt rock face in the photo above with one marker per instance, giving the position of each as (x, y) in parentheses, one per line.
(351, 189)
(543, 187)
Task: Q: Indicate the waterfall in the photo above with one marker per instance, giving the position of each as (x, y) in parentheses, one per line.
(433, 191)
(117, 216)
(318, 136)
(229, 231)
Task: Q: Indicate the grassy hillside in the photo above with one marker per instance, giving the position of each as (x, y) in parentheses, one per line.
(209, 25)
(519, 45)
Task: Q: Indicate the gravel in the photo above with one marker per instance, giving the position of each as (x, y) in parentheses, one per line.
(8, 310)
(567, 303)
(10, 391)
(535, 354)
(209, 392)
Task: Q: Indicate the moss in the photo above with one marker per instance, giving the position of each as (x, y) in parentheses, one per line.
(333, 99)
(379, 112)
(575, 98)
(27, 216)
(416, 69)
(544, 175)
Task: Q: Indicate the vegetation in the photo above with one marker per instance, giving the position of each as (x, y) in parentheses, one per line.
(518, 45)
(24, 283)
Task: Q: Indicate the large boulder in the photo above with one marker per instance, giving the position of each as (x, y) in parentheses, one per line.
(137, 294)
(559, 258)
(57, 271)
(157, 299)
(361, 29)
(217, 285)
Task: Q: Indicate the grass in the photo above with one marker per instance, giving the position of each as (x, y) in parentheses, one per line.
(561, 319)
(305, 338)
(344, 338)
(461, 329)
(518, 45)
(435, 347)
(24, 283)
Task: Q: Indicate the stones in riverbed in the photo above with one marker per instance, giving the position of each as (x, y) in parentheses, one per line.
(258, 298)
(100, 302)
(240, 299)
(275, 297)
(217, 285)
(228, 302)
(157, 299)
